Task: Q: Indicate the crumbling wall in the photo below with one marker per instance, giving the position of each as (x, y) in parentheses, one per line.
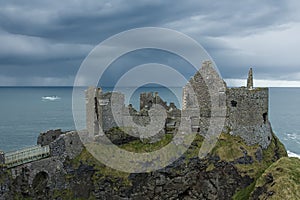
(107, 110)
(92, 114)
(99, 110)
(246, 108)
(197, 98)
(148, 99)
(173, 119)
(247, 114)
(173, 113)
(111, 106)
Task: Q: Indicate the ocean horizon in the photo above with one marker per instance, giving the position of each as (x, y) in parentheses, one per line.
(28, 111)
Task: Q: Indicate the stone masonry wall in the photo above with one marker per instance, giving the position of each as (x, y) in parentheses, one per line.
(247, 114)
(99, 113)
(148, 99)
(106, 103)
(246, 108)
(198, 97)
(92, 115)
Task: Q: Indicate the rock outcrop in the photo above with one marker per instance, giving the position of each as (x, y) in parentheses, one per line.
(231, 168)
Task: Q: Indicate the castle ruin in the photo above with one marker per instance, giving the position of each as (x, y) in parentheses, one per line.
(246, 109)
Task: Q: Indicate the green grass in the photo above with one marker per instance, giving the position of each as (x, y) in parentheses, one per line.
(286, 176)
(138, 146)
(254, 170)
(244, 193)
(230, 148)
(104, 172)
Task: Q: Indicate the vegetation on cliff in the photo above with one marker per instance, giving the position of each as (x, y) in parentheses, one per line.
(280, 181)
(232, 170)
(249, 161)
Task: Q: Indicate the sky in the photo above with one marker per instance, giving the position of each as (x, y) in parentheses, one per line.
(43, 43)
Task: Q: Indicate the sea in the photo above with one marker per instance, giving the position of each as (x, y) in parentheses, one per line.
(25, 112)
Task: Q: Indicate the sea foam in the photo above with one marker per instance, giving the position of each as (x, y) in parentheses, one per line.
(292, 154)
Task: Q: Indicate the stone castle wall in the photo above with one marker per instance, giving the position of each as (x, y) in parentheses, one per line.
(107, 110)
(201, 93)
(246, 108)
(148, 99)
(99, 105)
(92, 114)
(247, 114)
(106, 103)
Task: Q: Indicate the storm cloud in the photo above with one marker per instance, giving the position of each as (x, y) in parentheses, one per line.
(44, 42)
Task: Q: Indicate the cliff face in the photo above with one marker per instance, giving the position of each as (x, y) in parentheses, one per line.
(231, 170)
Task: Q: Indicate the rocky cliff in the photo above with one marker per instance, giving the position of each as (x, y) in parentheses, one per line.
(232, 170)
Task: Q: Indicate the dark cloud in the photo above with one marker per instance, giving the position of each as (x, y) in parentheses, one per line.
(92, 21)
(51, 38)
(136, 58)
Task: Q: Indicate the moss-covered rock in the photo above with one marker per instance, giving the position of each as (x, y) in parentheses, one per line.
(254, 160)
(280, 181)
(249, 160)
(232, 170)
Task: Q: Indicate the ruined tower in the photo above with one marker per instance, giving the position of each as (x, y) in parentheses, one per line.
(247, 110)
(198, 97)
(250, 79)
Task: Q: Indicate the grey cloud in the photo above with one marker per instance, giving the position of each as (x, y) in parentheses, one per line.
(33, 49)
(234, 18)
(51, 38)
(91, 21)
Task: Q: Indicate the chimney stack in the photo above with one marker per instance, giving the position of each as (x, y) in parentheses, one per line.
(250, 80)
